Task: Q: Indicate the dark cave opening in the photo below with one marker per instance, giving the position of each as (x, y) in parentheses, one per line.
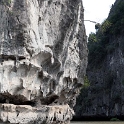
(15, 99)
(7, 98)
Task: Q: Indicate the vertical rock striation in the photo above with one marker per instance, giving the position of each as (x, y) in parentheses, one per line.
(43, 58)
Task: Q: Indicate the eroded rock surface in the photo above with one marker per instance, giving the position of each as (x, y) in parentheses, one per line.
(43, 58)
(44, 114)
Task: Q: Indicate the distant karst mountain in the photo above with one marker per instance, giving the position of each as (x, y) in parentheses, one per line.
(105, 73)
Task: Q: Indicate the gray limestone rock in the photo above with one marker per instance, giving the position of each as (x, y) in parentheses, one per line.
(43, 59)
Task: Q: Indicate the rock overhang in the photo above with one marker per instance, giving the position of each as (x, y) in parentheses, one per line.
(43, 54)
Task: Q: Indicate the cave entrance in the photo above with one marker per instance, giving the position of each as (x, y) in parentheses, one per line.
(14, 99)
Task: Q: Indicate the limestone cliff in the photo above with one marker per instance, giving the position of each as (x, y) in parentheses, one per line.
(105, 96)
(43, 58)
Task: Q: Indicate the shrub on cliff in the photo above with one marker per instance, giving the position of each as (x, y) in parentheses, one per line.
(116, 17)
(114, 119)
(99, 43)
(96, 48)
(5, 2)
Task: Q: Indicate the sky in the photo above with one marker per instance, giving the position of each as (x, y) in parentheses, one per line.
(95, 10)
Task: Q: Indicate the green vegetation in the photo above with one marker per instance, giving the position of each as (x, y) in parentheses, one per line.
(106, 25)
(5, 2)
(9, 1)
(117, 18)
(86, 82)
(96, 47)
(122, 82)
(114, 119)
(99, 43)
(107, 40)
(82, 105)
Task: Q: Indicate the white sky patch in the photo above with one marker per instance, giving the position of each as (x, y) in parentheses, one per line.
(95, 10)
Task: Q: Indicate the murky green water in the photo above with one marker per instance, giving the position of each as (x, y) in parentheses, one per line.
(97, 122)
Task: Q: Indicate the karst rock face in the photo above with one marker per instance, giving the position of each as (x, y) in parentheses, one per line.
(43, 58)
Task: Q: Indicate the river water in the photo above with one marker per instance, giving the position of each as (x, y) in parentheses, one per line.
(98, 122)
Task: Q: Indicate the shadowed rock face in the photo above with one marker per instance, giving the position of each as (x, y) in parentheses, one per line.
(43, 58)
